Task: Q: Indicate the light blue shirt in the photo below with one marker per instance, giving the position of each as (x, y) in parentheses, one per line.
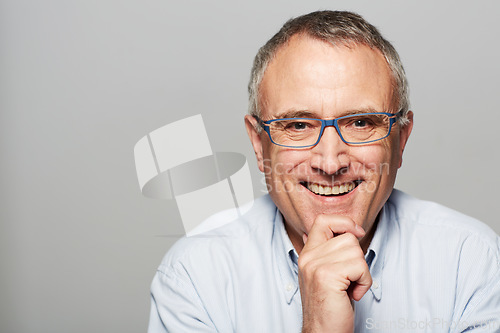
(433, 270)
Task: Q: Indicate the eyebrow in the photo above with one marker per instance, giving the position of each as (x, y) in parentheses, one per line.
(297, 114)
(313, 114)
(360, 111)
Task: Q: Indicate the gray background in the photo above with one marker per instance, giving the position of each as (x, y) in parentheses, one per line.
(82, 81)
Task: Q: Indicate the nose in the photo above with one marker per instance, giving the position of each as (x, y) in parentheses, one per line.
(330, 155)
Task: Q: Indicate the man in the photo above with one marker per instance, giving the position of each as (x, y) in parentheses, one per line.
(333, 248)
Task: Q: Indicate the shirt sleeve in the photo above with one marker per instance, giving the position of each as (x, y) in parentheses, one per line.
(176, 306)
(481, 311)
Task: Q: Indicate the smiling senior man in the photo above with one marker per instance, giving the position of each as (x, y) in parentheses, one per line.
(329, 120)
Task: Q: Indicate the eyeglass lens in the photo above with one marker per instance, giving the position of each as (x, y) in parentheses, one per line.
(361, 128)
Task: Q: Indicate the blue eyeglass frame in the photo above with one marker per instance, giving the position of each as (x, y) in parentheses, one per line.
(331, 122)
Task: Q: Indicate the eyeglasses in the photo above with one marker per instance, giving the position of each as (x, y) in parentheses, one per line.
(353, 129)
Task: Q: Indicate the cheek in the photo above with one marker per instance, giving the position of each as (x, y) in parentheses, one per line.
(282, 170)
(285, 163)
(375, 161)
(372, 156)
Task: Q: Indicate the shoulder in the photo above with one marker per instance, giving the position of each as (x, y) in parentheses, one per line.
(224, 244)
(414, 214)
(436, 238)
(442, 234)
(446, 253)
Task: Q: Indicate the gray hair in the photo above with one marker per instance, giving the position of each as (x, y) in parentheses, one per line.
(337, 28)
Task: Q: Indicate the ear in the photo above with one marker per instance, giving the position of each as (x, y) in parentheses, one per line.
(404, 134)
(251, 126)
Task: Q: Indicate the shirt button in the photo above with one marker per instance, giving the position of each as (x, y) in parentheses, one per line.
(375, 285)
(289, 287)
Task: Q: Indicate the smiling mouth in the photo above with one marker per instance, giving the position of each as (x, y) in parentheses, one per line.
(330, 191)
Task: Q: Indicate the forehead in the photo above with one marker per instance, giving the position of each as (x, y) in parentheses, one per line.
(313, 75)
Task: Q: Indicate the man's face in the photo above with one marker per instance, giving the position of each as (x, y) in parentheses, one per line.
(312, 78)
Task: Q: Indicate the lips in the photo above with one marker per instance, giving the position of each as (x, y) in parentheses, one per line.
(331, 190)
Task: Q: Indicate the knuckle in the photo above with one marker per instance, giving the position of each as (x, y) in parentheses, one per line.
(346, 222)
(358, 252)
(321, 273)
(305, 266)
(350, 237)
(369, 278)
(302, 264)
(303, 260)
(337, 223)
(361, 262)
(347, 239)
(322, 220)
(314, 272)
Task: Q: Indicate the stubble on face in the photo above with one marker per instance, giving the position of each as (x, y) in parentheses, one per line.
(308, 75)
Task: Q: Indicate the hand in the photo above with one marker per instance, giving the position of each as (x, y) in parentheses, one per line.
(332, 272)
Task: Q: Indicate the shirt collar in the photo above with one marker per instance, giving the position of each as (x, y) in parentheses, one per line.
(375, 255)
(286, 257)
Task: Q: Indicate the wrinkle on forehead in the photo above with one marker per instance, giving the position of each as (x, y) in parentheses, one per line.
(304, 65)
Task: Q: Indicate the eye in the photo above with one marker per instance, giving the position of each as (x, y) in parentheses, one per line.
(298, 126)
(295, 126)
(363, 122)
(360, 123)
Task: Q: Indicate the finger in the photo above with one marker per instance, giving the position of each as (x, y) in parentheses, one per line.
(326, 226)
(360, 285)
(343, 248)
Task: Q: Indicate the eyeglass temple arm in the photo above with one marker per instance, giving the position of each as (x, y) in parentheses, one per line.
(399, 114)
(260, 121)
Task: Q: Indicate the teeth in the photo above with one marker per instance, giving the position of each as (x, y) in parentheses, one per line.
(328, 190)
(321, 190)
(335, 190)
